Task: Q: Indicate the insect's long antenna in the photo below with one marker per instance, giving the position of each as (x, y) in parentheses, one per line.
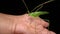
(39, 8)
(42, 5)
(25, 6)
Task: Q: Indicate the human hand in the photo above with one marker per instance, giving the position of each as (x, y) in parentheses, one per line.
(23, 24)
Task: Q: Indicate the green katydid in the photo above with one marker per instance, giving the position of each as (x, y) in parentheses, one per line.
(37, 13)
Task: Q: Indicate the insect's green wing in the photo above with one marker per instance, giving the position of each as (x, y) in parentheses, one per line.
(36, 14)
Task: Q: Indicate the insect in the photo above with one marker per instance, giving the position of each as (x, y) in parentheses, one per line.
(37, 13)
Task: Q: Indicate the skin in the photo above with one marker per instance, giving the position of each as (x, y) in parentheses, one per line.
(23, 24)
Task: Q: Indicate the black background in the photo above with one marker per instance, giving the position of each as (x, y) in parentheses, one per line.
(17, 7)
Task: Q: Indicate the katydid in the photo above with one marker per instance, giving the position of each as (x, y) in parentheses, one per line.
(37, 13)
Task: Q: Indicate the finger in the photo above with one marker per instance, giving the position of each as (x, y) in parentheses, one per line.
(44, 23)
(45, 31)
(39, 21)
(52, 32)
(39, 29)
